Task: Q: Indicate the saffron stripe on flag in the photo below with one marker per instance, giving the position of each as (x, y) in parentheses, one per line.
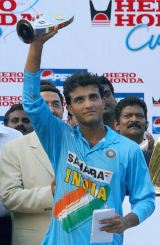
(70, 198)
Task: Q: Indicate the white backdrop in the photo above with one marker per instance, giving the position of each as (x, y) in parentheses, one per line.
(90, 42)
(125, 51)
(147, 232)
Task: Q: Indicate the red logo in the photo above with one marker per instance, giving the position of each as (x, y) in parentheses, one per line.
(102, 17)
(10, 100)
(123, 77)
(128, 13)
(47, 75)
(156, 102)
(11, 77)
(7, 17)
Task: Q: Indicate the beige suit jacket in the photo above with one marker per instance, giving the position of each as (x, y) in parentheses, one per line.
(25, 178)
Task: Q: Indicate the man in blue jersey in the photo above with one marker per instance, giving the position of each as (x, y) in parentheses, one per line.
(93, 164)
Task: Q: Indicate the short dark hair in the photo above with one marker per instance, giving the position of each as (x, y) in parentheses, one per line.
(80, 80)
(46, 86)
(15, 107)
(104, 81)
(129, 101)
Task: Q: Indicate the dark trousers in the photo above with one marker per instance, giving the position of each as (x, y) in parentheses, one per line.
(5, 230)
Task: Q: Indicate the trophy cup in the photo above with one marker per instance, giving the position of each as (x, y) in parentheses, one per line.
(154, 167)
(27, 30)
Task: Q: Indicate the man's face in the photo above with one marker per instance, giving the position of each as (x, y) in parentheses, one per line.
(19, 120)
(110, 102)
(86, 105)
(132, 122)
(54, 103)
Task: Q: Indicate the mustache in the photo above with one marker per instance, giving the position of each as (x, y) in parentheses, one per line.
(135, 124)
(88, 111)
(22, 129)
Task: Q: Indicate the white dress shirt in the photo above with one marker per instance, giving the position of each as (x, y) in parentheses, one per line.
(144, 145)
(6, 134)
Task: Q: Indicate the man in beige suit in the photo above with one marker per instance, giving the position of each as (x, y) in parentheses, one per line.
(27, 179)
(6, 135)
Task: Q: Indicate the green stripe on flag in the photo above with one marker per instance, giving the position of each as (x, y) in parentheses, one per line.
(82, 214)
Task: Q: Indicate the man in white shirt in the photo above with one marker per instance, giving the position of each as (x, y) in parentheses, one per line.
(6, 134)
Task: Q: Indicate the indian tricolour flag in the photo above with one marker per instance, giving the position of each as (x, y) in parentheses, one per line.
(76, 207)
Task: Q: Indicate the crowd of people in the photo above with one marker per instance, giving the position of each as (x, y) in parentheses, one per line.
(55, 173)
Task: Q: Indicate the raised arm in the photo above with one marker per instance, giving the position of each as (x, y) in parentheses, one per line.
(43, 121)
(35, 52)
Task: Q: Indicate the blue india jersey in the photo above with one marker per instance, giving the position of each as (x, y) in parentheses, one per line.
(86, 178)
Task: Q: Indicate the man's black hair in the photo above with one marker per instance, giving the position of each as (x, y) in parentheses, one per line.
(46, 86)
(104, 81)
(129, 101)
(16, 107)
(83, 79)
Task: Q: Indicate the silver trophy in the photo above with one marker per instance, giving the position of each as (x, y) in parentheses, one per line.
(27, 30)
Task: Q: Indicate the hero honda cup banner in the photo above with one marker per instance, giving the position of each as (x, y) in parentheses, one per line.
(119, 39)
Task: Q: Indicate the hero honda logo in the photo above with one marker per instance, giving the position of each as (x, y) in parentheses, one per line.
(123, 77)
(9, 100)
(139, 14)
(130, 12)
(11, 77)
(11, 11)
(101, 17)
(156, 102)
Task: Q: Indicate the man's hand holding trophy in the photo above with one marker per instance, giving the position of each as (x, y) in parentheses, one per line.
(40, 25)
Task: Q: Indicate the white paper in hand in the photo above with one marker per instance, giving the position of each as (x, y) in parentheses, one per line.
(96, 234)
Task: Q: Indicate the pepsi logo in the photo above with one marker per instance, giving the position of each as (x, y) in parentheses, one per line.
(47, 75)
(156, 125)
(58, 76)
